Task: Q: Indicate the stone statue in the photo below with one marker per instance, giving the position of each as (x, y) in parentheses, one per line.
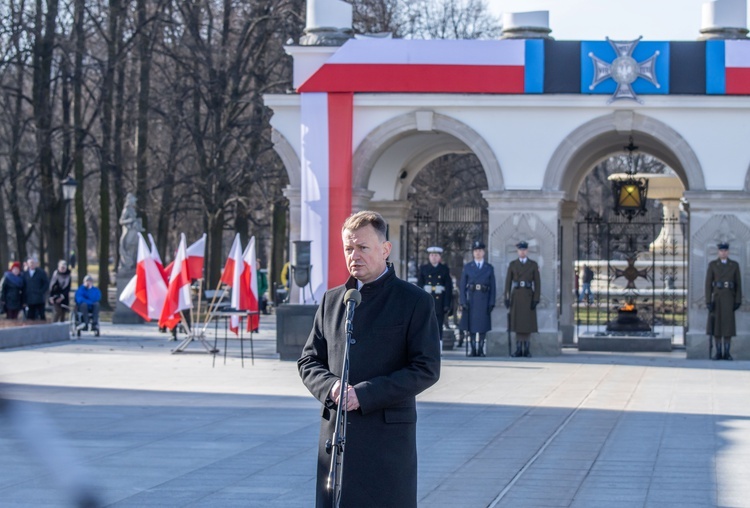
(132, 226)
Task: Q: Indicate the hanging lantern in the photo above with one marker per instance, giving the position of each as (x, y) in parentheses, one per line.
(630, 193)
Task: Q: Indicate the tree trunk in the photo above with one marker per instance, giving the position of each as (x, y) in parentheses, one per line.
(279, 244)
(52, 219)
(214, 255)
(78, 168)
(106, 158)
(144, 57)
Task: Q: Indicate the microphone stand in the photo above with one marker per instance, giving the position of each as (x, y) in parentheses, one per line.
(335, 445)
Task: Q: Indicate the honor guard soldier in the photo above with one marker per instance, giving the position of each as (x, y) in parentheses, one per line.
(723, 298)
(522, 292)
(435, 278)
(477, 298)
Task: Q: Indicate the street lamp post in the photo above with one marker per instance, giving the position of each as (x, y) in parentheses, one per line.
(69, 193)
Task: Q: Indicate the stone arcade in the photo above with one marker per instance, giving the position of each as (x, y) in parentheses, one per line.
(370, 113)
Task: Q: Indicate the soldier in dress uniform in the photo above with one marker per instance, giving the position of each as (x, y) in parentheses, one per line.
(522, 292)
(477, 297)
(723, 298)
(435, 278)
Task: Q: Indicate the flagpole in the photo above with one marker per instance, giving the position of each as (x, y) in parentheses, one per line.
(208, 316)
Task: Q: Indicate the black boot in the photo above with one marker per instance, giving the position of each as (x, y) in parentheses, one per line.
(526, 352)
(480, 351)
(719, 353)
(727, 356)
(473, 343)
(460, 339)
(518, 352)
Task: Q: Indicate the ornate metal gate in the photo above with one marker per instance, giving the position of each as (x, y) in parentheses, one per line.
(632, 278)
(453, 229)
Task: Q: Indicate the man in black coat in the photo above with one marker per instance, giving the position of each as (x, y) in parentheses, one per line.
(435, 278)
(35, 287)
(395, 356)
(477, 296)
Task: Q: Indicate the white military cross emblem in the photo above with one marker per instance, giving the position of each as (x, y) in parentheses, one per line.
(624, 69)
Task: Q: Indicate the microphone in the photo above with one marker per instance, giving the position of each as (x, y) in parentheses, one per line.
(352, 298)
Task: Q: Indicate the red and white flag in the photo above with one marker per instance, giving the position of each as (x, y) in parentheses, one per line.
(178, 292)
(146, 291)
(195, 255)
(231, 277)
(249, 297)
(157, 259)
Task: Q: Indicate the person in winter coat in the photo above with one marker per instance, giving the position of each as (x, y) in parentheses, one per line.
(723, 298)
(87, 300)
(522, 293)
(435, 278)
(35, 287)
(477, 295)
(11, 291)
(394, 356)
(59, 291)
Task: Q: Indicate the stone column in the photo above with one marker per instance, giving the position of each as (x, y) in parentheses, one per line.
(531, 216)
(567, 287)
(396, 213)
(716, 217)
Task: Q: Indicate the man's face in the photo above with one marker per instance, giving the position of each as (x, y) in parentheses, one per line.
(31, 264)
(478, 254)
(723, 254)
(522, 253)
(434, 258)
(88, 283)
(365, 253)
(62, 267)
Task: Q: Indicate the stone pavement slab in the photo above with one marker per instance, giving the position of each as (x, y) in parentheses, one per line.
(145, 427)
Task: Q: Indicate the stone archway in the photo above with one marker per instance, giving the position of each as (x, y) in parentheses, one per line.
(595, 140)
(386, 162)
(588, 145)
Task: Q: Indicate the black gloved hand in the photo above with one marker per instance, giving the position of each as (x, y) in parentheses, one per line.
(737, 306)
(489, 309)
(710, 306)
(447, 311)
(465, 306)
(507, 303)
(533, 305)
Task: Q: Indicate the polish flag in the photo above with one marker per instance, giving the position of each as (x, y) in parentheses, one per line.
(146, 291)
(231, 277)
(157, 259)
(195, 255)
(178, 293)
(249, 297)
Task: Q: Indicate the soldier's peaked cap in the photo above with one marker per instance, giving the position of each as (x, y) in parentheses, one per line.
(435, 250)
(723, 246)
(522, 245)
(478, 244)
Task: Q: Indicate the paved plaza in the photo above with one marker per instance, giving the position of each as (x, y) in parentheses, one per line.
(144, 427)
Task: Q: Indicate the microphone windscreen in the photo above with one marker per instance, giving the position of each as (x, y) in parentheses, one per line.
(354, 296)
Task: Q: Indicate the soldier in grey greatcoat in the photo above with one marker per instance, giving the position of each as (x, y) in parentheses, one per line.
(477, 298)
(522, 293)
(723, 298)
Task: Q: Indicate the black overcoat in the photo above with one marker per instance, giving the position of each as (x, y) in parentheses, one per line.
(395, 357)
(522, 316)
(10, 293)
(35, 288)
(430, 279)
(724, 290)
(477, 297)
